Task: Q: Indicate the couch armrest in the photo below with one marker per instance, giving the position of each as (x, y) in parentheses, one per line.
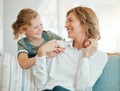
(110, 78)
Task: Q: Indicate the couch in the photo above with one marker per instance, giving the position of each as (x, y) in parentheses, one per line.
(13, 78)
(110, 78)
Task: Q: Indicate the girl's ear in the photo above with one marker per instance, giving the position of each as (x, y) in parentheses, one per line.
(23, 30)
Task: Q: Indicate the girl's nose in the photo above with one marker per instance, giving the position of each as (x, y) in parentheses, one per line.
(40, 27)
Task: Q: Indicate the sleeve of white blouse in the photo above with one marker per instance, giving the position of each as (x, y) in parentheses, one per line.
(40, 70)
(89, 70)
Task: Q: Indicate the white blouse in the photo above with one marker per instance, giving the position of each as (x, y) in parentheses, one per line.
(69, 69)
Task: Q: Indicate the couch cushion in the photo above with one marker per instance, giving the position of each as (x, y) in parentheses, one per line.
(110, 79)
(9, 72)
(12, 76)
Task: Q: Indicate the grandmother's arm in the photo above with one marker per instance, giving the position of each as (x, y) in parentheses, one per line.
(90, 70)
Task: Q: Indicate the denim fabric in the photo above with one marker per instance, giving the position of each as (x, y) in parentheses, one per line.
(58, 88)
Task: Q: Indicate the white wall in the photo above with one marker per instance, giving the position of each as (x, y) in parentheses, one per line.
(108, 12)
(11, 9)
(1, 24)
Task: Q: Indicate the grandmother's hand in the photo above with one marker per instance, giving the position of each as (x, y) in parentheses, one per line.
(90, 47)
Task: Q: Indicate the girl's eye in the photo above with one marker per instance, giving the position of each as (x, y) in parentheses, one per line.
(35, 27)
(41, 25)
(38, 26)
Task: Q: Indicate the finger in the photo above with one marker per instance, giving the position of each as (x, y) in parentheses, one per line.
(58, 50)
(93, 41)
(58, 46)
(86, 44)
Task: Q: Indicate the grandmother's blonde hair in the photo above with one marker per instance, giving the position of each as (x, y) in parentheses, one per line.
(88, 18)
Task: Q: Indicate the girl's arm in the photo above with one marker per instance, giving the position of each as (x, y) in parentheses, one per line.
(24, 61)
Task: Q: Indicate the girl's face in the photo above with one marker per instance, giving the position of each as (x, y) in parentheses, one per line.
(35, 29)
(74, 27)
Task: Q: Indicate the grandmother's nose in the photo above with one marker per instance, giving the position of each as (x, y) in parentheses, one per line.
(66, 24)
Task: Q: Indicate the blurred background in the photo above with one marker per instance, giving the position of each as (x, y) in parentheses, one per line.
(53, 13)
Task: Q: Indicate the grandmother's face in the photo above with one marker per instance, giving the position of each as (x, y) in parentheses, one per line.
(73, 26)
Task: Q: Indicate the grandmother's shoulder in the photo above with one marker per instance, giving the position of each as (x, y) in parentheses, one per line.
(101, 53)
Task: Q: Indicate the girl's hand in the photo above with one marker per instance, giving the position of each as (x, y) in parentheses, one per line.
(54, 53)
(51, 48)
